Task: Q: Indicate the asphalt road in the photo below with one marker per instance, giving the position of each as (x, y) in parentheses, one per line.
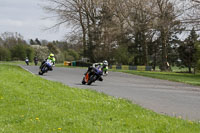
(161, 96)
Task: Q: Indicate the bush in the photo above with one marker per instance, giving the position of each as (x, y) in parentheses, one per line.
(198, 66)
(21, 51)
(41, 52)
(5, 54)
(74, 54)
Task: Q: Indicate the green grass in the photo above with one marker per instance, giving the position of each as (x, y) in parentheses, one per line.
(30, 104)
(17, 63)
(171, 76)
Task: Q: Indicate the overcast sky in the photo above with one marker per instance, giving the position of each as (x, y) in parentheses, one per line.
(27, 18)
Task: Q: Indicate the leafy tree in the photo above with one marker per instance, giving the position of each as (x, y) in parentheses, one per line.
(187, 50)
(123, 56)
(37, 41)
(11, 39)
(5, 54)
(29, 53)
(42, 52)
(32, 42)
(52, 48)
(73, 53)
(21, 51)
(68, 57)
(197, 57)
(18, 52)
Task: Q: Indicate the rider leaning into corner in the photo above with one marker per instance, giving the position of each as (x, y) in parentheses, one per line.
(101, 65)
(52, 58)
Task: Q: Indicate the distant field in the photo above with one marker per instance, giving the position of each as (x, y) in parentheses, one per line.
(16, 62)
(171, 76)
(29, 103)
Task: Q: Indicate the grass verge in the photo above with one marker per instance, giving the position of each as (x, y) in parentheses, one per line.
(171, 76)
(29, 103)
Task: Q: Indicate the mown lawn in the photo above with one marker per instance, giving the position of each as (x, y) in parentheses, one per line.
(171, 76)
(30, 104)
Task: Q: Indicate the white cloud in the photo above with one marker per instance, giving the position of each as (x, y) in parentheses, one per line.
(9, 22)
(25, 17)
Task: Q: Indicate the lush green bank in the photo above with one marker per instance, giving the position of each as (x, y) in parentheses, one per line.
(172, 76)
(29, 103)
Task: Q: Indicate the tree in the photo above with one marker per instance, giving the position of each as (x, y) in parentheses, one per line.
(137, 16)
(42, 52)
(187, 50)
(167, 22)
(37, 41)
(122, 56)
(32, 42)
(197, 57)
(5, 54)
(18, 52)
(52, 48)
(11, 39)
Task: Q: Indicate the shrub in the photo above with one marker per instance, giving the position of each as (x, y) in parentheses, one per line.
(5, 54)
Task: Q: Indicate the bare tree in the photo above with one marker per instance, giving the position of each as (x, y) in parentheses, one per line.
(10, 39)
(69, 12)
(138, 17)
(167, 21)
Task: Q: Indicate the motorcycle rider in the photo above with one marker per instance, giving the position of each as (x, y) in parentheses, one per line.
(27, 61)
(52, 58)
(103, 66)
(35, 60)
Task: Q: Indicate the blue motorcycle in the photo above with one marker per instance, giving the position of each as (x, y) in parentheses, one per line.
(92, 75)
(46, 67)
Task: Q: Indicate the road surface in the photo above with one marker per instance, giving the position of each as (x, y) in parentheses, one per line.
(161, 96)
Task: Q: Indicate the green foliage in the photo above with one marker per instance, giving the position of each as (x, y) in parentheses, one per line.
(73, 53)
(32, 42)
(21, 51)
(67, 56)
(5, 54)
(123, 56)
(30, 52)
(187, 50)
(41, 52)
(52, 48)
(37, 41)
(29, 103)
(198, 66)
(18, 52)
(197, 56)
(59, 58)
(11, 39)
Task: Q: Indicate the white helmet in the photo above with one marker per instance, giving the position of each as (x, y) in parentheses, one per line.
(105, 62)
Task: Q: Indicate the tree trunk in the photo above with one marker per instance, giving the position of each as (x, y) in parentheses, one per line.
(145, 49)
(189, 68)
(84, 32)
(164, 66)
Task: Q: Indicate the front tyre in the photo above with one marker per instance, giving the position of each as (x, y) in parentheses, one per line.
(83, 81)
(40, 73)
(92, 79)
